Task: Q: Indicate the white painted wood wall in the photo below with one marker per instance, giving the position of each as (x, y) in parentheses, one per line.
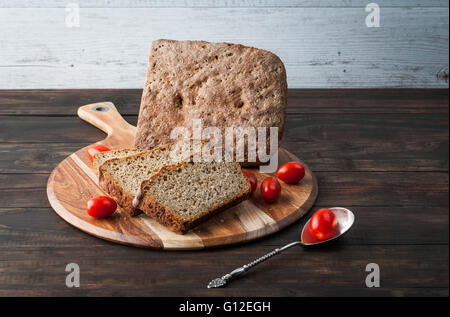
(324, 44)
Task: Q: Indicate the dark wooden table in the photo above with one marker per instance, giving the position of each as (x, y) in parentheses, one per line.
(382, 153)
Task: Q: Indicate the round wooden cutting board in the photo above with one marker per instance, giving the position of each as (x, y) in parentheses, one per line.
(73, 182)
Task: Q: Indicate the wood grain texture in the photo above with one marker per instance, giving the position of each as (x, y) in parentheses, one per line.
(74, 181)
(355, 134)
(402, 225)
(218, 3)
(368, 155)
(342, 188)
(300, 101)
(301, 128)
(402, 213)
(327, 46)
(333, 270)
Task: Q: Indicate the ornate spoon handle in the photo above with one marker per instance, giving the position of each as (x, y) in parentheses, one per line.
(221, 281)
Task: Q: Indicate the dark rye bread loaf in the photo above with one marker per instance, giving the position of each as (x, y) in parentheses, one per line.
(225, 85)
(182, 196)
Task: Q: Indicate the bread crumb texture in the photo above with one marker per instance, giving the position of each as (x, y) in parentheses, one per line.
(102, 157)
(123, 171)
(191, 190)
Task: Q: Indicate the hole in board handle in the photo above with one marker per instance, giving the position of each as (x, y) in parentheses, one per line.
(100, 108)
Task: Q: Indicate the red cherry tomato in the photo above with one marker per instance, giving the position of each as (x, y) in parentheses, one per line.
(323, 224)
(252, 179)
(94, 149)
(270, 189)
(291, 172)
(101, 206)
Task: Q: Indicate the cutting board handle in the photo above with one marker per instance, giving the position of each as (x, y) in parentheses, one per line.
(104, 115)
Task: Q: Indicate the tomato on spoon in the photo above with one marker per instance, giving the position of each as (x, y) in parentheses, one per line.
(323, 224)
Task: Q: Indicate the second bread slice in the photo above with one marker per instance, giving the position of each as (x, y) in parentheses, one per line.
(182, 196)
(102, 157)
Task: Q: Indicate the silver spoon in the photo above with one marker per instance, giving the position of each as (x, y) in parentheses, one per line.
(345, 220)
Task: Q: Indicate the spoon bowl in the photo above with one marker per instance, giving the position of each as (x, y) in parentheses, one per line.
(345, 219)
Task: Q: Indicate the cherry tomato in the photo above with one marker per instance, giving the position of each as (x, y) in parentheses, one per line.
(94, 149)
(252, 179)
(270, 189)
(291, 172)
(101, 206)
(323, 224)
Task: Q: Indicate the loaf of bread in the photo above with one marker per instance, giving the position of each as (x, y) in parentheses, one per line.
(184, 195)
(224, 85)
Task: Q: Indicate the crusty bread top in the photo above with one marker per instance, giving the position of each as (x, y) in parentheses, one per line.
(191, 190)
(101, 157)
(129, 171)
(225, 85)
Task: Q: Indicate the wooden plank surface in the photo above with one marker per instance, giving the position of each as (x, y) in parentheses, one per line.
(300, 128)
(332, 270)
(323, 46)
(218, 3)
(379, 142)
(324, 157)
(300, 101)
(336, 188)
(393, 175)
(401, 226)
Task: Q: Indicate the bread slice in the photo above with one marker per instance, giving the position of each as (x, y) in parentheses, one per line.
(102, 157)
(223, 84)
(184, 195)
(121, 177)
